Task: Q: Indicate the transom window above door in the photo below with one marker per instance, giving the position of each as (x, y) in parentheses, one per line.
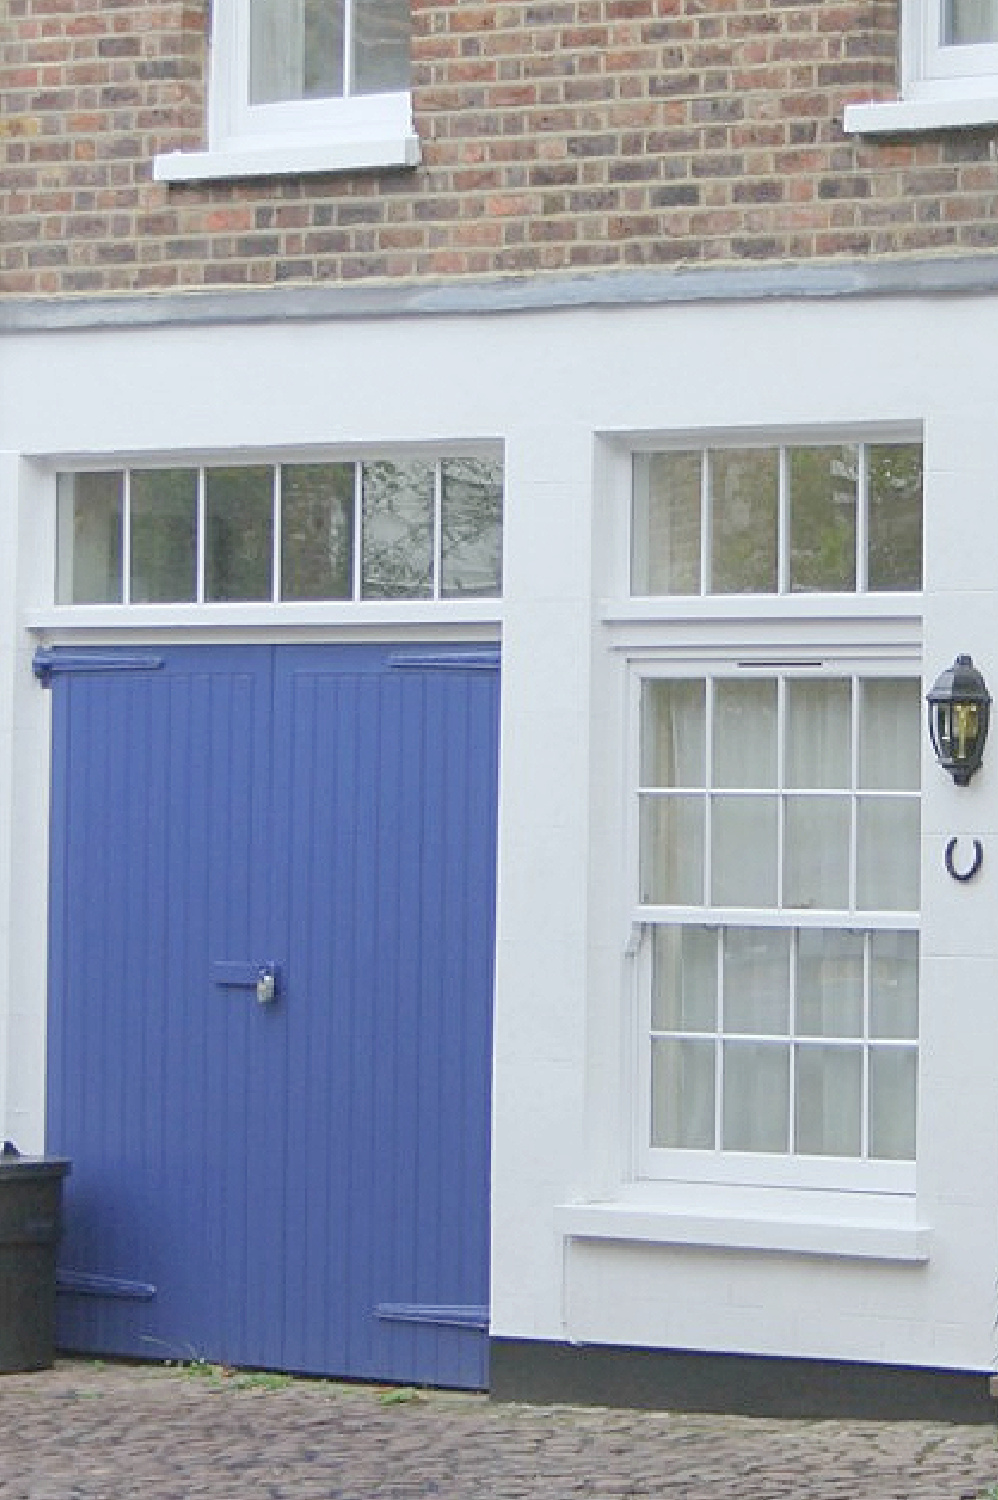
(377, 529)
(815, 518)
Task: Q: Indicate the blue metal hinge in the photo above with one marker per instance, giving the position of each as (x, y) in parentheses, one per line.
(47, 662)
(486, 660)
(461, 1315)
(91, 1284)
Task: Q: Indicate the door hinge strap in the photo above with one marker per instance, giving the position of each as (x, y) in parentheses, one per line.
(46, 663)
(486, 660)
(448, 1316)
(90, 1284)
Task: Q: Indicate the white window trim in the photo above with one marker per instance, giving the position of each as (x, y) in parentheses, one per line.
(730, 1167)
(941, 87)
(878, 1215)
(366, 132)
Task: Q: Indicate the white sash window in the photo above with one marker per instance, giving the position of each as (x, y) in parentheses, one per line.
(304, 85)
(775, 812)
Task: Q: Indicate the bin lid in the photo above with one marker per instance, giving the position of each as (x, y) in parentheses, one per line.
(34, 1166)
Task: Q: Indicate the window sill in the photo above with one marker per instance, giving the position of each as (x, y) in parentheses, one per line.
(856, 1239)
(896, 116)
(288, 158)
(369, 614)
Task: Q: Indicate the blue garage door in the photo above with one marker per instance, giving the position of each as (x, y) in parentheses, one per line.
(301, 1182)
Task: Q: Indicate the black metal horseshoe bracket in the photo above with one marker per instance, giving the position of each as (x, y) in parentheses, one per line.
(964, 875)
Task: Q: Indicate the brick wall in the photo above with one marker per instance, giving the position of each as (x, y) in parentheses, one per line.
(559, 136)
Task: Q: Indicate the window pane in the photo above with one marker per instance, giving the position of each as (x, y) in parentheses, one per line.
(893, 1094)
(822, 504)
(890, 741)
(682, 1094)
(743, 851)
(895, 516)
(317, 507)
(296, 50)
(816, 853)
(239, 533)
(471, 527)
(829, 1105)
(322, 48)
(673, 733)
(381, 45)
(819, 734)
(745, 748)
(397, 551)
(665, 528)
(756, 1095)
(88, 566)
(757, 980)
(743, 520)
(970, 22)
(672, 851)
(829, 983)
(887, 876)
(684, 979)
(164, 535)
(894, 984)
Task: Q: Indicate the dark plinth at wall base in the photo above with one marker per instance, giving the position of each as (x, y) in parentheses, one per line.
(733, 1384)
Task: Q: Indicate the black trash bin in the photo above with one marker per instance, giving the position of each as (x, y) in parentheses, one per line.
(30, 1217)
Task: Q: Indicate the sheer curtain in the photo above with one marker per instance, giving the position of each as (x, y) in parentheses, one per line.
(296, 50)
(275, 50)
(786, 1038)
(970, 21)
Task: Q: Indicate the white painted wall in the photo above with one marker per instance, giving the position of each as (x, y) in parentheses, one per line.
(554, 387)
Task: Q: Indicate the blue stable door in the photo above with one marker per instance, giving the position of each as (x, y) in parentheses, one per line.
(271, 971)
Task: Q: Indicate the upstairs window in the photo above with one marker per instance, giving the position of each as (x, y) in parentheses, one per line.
(958, 47)
(326, 49)
(949, 69)
(304, 85)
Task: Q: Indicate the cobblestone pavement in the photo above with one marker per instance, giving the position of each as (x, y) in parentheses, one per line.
(86, 1432)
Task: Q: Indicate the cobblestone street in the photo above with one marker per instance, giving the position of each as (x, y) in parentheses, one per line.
(87, 1432)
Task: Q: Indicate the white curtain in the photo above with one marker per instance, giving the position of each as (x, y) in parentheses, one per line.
(275, 50)
(971, 21)
(296, 50)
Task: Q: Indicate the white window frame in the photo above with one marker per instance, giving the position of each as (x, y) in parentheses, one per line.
(439, 609)
(617, 1201)
(941, 86)
(859, 633)
(718, 1165)
(359, 132)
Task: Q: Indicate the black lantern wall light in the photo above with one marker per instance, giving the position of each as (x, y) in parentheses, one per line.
(959, 715)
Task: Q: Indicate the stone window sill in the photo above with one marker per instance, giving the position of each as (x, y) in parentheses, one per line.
(897, 116)
(287, 158)
(842, 1238)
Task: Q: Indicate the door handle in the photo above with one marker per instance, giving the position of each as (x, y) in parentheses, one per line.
(263, 978)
